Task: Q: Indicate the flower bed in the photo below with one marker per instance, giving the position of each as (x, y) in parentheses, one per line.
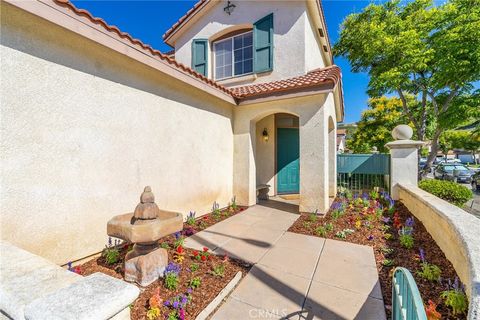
(398, 239)
(192, 278)
(194, 224)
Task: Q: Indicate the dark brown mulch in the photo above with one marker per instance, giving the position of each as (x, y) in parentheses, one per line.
(210, 287)
(374, 236)
(207, 220)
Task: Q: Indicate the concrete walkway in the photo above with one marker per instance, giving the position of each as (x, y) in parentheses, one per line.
(294, 276)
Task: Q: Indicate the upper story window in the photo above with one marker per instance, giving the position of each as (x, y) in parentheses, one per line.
(233, 56)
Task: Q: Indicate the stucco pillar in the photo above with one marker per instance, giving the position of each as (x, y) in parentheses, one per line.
(314, 162)
(332, 159)
(403, 158)
(244, 172)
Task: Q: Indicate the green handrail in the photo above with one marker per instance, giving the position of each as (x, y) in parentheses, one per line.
(407, 303)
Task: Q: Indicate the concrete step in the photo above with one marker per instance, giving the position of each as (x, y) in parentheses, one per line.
(32, 287)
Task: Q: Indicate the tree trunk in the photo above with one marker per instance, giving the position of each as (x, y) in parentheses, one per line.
(433, 152)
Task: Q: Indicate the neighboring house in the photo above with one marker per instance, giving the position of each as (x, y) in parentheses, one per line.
(341, 136)
(90, 116)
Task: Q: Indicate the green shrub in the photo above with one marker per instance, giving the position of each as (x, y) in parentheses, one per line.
(447, 190)
(430, 272)
(455, 299)
(406, 240)
(195, 282)
(321, 231)
(171, 281)
(218, 270)
(111, 255)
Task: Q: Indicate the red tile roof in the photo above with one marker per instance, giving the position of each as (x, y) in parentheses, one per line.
(183, 18)
(313, 78)
(113, 29)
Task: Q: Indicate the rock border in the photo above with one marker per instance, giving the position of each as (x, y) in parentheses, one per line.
(219, 298)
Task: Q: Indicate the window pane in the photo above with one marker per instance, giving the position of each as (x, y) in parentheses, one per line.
(227, 58)
(219, 72)
(228, 71)
(247, 53)
(247, 39)
(238, 55)
(238, 68)
(220, 60)
(248, 66)
(237, 42)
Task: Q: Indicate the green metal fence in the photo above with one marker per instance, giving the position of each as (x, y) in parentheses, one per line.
(407, 304)
(360, 172)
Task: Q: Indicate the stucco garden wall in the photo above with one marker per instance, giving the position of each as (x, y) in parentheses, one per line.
(84, 129)
(455, 231)
(290, 25)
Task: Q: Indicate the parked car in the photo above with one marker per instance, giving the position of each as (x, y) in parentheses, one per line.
(453, 172)
(476, 181)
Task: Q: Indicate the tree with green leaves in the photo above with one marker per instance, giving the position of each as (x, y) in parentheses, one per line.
(459, 139)
(376, 124)
(430, 52)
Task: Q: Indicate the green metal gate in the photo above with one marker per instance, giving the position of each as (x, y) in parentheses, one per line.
(360, 172)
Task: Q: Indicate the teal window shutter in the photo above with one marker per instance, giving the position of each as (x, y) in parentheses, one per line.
(200, 56)
(263, 44)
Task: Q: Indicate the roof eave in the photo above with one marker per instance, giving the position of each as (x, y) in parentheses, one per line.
(134, 49)
(325, 87)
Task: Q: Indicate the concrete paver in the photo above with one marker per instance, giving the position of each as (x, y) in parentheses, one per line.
(272, 290)
(349, 267)
(295, 276)
(288, 260)
(330, 303)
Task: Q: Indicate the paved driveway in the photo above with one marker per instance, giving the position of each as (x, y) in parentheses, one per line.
(294, 276)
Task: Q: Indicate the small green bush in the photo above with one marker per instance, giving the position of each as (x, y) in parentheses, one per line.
(430, 272)
(447, 190)
(406, 240)
(195, 282)
(171, 281)
(111, 255)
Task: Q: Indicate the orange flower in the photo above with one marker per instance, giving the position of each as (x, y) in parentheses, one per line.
(431, 311)
(155, 301)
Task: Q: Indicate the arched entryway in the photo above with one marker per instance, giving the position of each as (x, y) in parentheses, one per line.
(310, 117)
(277, 154)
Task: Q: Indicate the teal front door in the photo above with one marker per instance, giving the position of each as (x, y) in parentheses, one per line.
(288, 165)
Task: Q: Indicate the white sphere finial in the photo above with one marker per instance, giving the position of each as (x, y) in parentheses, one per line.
(402, 132)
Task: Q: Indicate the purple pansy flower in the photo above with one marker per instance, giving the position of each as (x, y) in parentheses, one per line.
(422, 255)
(409, 222)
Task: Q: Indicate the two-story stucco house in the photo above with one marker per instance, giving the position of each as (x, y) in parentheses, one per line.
(249, 96)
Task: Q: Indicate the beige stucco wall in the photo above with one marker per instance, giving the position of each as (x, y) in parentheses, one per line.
(291, 38)
(84, 129)
(313, 55)
(265, 153)
(455, 232)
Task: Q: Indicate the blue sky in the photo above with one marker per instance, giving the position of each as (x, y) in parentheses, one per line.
(148, 20)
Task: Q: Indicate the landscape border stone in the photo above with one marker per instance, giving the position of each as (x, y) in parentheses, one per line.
(219, 298)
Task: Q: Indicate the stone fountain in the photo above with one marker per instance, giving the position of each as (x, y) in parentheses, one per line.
(144, 227)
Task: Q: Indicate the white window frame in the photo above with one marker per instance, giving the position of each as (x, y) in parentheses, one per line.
(233, 57)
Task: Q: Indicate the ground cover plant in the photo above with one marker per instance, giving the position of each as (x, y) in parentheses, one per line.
(398, 239)
(193, 278)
